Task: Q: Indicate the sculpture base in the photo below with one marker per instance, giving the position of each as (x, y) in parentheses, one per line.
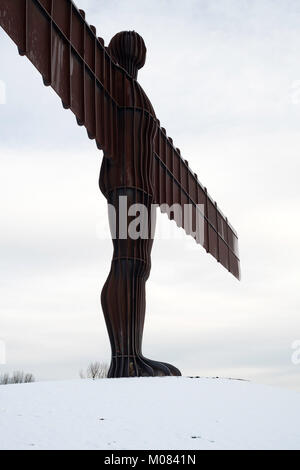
(140, 366)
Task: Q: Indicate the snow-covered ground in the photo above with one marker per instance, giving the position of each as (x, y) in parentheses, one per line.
(148, 413)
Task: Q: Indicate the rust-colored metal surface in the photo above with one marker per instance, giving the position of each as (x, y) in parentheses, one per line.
(140, 161)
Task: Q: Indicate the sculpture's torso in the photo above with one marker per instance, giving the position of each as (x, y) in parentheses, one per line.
(130, 162)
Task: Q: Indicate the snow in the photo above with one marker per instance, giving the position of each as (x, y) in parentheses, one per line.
(148, 413)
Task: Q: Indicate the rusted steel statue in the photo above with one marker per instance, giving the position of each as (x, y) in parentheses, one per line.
(140, 162)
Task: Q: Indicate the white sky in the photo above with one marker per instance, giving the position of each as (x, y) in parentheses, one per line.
(224, 79)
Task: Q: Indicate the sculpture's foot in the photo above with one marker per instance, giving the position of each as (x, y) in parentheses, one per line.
(140, 366)
(162, 367)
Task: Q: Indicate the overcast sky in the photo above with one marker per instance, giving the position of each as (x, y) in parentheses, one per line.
(224, 79)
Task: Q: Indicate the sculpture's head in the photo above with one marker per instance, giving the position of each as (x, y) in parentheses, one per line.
(129, 51)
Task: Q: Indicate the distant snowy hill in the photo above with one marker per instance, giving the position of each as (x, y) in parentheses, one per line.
(148, 413)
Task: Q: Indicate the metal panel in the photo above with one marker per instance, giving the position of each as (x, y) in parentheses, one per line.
(65, 50)
(220, 239)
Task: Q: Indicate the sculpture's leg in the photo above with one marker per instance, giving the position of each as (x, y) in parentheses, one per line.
(123, 297)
